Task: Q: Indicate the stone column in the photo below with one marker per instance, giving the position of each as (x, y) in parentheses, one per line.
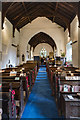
(32, 53)
(76, 46)
(27, 54)
(54, 51)
(74, 37)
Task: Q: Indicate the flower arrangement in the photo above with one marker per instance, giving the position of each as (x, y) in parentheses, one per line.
(63, 54)
(13, 92)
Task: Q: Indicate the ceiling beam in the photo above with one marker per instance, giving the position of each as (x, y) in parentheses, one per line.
(65, 6)
(55, 11)
(72, 5)
(65, 12)
(12, 13)
(21, 21)
(25, 22)
(66, 21)
(9, 5)
(26, 11)
(22, 14)
(6, 9)
(29, 11)
(56, 6)
(59, 22)
(24, 6)
(27, 16)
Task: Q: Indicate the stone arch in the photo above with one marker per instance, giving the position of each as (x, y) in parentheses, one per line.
(42, 37)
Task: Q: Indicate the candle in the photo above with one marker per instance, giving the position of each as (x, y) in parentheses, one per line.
(72, 74)
(69, 71)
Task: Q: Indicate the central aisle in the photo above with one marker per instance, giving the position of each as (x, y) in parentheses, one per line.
(40, 103)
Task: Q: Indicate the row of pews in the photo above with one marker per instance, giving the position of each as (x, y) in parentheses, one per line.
(15, 86)
(65, 85)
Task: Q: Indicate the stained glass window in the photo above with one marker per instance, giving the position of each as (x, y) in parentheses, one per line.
(43, 53)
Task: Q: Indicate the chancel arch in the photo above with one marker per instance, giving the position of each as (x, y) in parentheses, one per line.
(42, 41)
(42, 37)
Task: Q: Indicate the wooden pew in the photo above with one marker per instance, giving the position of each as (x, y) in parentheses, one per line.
(30, 69)
(16, 79)
(70, 108)
(28, 72)
(6, 75)
(61, 81)
(51, 74)
(17, 87)
(8, 102)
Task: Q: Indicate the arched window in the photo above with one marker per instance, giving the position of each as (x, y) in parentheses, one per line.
(23, 57)
(43, 52)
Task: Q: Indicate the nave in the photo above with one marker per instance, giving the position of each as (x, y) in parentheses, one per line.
(40, 103)
(40, 60)
(40, 91)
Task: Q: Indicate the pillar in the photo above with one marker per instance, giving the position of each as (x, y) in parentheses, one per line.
(32, 53)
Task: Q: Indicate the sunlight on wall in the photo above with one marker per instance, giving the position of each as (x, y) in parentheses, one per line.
(9, 52)
(69, 52)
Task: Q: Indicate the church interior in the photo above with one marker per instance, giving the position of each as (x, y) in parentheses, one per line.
(40, 60)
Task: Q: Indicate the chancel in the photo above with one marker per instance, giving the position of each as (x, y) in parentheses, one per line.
(40, 60)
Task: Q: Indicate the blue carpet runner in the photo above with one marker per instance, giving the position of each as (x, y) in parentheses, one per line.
(40, 103)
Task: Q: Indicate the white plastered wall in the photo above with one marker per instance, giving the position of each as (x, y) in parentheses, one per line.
(28, 31)
(8, 51)
(67, 38)
(74, 37)
(41, 24)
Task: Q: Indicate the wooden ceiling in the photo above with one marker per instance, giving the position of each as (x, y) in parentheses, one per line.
(22, 13)
(42, 38)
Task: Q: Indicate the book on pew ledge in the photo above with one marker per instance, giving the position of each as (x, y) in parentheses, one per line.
(78, 70)
(2, 71)
(50, 65)
(76, 88)
(69, 88)
(78, 94)
(70, 97)
(72, 77)
(13, 73)
(65, 88)
(17, 78)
